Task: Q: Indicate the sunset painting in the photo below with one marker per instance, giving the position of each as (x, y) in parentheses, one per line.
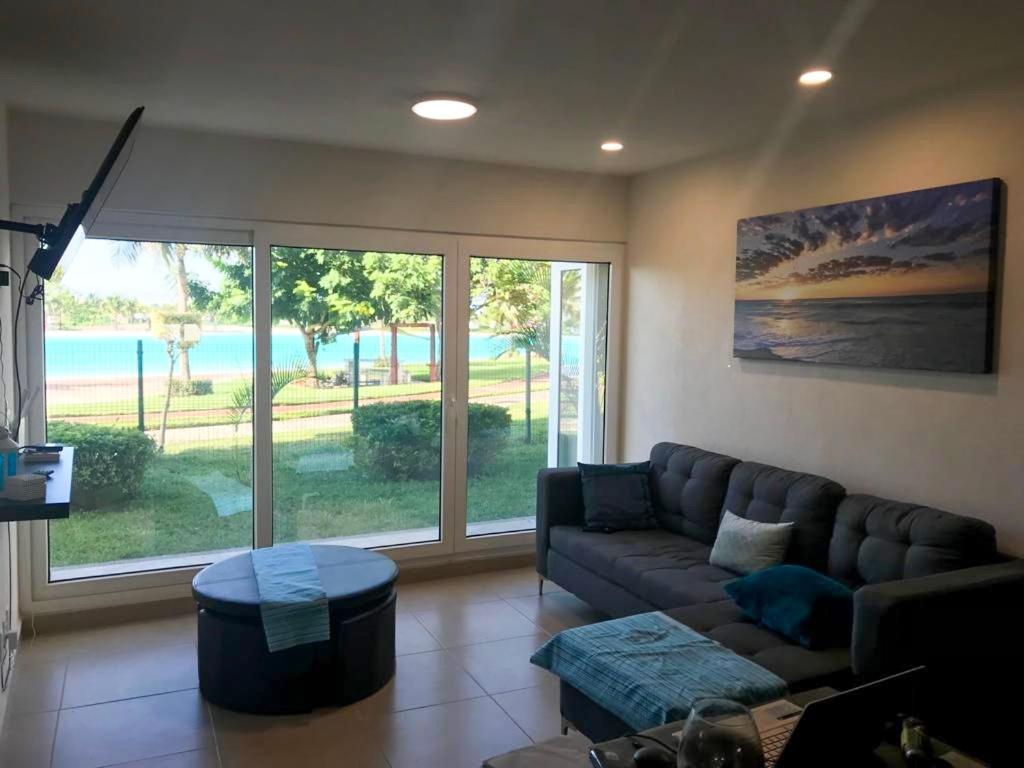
(901, 281)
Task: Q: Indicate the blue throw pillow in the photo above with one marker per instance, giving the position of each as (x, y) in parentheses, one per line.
(617, 497)
(798, 603)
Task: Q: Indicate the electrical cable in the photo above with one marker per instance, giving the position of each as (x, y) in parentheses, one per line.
(3, 376)
(16, 425)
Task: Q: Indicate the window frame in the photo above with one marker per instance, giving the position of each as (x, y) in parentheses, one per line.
(40, 596)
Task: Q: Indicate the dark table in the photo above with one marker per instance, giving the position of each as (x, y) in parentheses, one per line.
(236, 669)
(572, 751)
(56, 504)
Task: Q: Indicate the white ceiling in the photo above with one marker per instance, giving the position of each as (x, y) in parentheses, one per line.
(674, 79)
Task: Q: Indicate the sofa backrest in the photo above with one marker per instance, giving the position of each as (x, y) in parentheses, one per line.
(773, 495)
(688, 486)
(879, 540)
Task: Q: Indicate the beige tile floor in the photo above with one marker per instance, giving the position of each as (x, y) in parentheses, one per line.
(463, 690)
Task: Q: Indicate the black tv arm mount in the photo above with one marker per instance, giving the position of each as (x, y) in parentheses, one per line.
(43, 233)
(39, 230)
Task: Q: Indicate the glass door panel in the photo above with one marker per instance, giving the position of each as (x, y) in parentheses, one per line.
(536, 359)
(148, 355)
(356, 393)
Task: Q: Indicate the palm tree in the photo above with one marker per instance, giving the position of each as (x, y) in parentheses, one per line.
(527, 340)
(173, 257)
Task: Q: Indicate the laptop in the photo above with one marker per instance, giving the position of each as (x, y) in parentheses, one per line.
(843, 728)
(850, 723)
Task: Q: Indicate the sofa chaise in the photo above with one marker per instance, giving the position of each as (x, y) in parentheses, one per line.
(931, 587)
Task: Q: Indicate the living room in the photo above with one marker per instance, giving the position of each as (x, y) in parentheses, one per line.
(565, 274)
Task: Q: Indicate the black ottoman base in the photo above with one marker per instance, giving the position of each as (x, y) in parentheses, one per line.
(236, 671)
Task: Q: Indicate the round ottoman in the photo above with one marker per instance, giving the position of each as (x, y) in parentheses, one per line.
(237, 671)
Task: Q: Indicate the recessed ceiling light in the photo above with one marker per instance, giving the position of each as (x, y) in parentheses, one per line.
(815, 77)
(612, 146)
(444, 108)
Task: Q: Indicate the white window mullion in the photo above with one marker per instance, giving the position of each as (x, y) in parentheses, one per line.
(262, 416)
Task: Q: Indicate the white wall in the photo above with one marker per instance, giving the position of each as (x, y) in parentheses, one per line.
(953, 441)
(8, 542)
(205, 174)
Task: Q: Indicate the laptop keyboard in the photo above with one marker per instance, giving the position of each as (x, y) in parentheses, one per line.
(774, 740)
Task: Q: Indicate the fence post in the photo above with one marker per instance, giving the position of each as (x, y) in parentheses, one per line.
(529, 398)
(355, 370)
(142, 402)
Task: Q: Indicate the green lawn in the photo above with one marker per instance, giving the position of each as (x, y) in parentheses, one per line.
(171, 515)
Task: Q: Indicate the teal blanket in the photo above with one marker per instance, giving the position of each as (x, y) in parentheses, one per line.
(293, 603)
(648, 670)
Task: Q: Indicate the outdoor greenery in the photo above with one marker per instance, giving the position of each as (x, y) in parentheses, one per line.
(110, 463)
(193, 388)
(402, 441)
(171, 515)
(380, 470)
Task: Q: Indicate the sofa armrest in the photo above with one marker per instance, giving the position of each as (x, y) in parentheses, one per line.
(939, 620)
(559, 502)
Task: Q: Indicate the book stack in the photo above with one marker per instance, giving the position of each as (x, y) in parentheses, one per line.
(24, 487)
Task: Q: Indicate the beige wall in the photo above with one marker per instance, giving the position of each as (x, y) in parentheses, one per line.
(7, 543)
(206, 174)
(954, 441)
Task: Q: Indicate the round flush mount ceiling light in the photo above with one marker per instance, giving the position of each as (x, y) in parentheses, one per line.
(815, 77)
(612, 146)
(444, 108)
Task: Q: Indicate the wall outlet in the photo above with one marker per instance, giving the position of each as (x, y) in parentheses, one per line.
(5, 278)
(11, 641)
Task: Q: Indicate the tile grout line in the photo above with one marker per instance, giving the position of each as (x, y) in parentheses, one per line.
(131, 698)
(213, 731)
(63, 686)
(53, 740)
(148, 759)
(510, 717)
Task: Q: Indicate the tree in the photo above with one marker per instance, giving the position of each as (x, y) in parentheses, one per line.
(512, 297)
(406, 290)
(120, 309)
(323, 293)
(170, 327)
(173, 257)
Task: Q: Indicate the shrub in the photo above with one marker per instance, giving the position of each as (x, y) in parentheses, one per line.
(193, 387)
(402, 441)
(109, 461)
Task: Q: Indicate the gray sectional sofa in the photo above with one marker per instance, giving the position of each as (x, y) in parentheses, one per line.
(931, 587)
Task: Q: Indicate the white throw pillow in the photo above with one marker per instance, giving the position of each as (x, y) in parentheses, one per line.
(746, 546)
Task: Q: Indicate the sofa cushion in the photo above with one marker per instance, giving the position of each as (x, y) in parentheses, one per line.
(803, 605)
(745, 546)
(617, 497)
(688, 486)
(877, 540)
(772, 495)
(800, 667)
(661, 568)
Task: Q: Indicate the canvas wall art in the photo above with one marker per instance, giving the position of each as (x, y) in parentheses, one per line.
(901, 281)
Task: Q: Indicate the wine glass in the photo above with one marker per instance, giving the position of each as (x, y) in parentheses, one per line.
(720, 733)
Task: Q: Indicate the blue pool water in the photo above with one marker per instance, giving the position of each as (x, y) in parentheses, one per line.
(72, 354)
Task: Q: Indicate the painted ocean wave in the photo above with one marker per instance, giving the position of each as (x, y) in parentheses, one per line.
(938, 332)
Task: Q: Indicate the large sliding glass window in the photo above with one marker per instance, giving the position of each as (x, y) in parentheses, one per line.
(356, 386)
(149, 360)
(536, 356)
(393, 389)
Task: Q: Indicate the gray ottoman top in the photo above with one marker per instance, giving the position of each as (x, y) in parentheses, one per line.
(351, 577)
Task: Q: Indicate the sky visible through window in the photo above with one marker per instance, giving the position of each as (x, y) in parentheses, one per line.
(98, 269)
